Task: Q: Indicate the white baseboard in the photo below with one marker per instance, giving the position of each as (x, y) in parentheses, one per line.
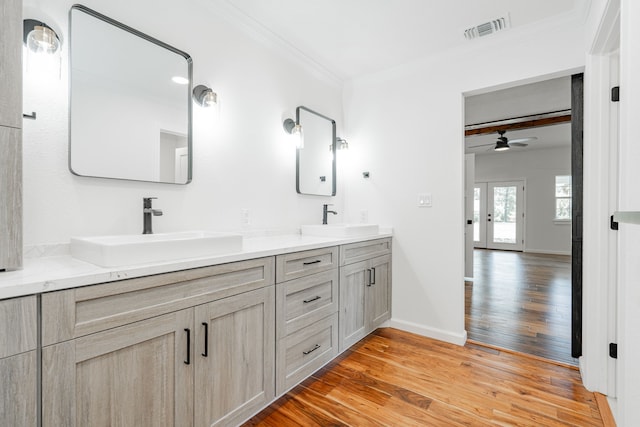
(546, 252)
(425, 331)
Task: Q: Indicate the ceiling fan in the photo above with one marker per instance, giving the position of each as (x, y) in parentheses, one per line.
(503, 143)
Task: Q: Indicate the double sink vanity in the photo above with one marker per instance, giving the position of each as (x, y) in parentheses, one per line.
(138, 337)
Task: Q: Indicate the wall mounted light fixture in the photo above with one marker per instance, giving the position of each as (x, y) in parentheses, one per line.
(295, 130)
(205, 96)
(342, 144)
(39, 37)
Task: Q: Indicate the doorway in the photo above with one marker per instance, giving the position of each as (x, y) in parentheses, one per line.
(498, 215)
(520, 296)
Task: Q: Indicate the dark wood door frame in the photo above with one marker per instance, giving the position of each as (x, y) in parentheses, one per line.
(577, 110)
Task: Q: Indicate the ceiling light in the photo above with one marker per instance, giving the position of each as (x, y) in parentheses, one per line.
(180, 80)
(501, 146)
(205, 96)
(39, 37)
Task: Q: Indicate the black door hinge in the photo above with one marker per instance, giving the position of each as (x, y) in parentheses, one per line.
(615, 94)
(613, 224)
(613, 350)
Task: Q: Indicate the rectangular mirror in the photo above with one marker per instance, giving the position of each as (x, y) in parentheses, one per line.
(316, 159)
(130, 103)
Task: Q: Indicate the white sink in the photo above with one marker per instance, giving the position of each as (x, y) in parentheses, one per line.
(112, 251)
(339, 230)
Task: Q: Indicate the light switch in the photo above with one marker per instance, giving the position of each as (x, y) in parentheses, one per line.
(424, 200)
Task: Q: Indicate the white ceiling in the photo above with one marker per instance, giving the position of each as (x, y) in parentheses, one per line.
(534, 98)
(351, 38)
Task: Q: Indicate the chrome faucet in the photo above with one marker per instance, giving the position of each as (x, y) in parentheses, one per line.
(325, 212)
(147, 213)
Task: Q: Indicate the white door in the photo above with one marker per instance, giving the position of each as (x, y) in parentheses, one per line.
(480, 215)
(505, 215)
(182, 165)
(470, 162)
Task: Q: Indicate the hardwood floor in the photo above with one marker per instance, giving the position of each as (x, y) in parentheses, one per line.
(395, 378)
(521, 301)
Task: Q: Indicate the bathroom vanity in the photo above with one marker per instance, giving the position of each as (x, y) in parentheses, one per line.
(208, 341)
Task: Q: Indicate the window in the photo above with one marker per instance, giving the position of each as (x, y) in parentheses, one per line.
(563, 198)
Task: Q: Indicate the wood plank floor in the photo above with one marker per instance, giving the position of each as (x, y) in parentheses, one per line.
(521, 301)
(395, 378)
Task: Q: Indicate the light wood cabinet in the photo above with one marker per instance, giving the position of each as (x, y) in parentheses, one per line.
(10, 135)
(195, 347)
(139, 374)
(365, 290)
(18, 362)
(235, 357)
(306, 314)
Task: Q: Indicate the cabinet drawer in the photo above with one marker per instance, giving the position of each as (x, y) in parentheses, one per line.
(299, 264)
(303, 352)
(306, 300)
(18, 317)
(356, 252)
(77, 312)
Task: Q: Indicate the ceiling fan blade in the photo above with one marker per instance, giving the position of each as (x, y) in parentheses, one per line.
(518, 144)
(530, 138)
(481, 145)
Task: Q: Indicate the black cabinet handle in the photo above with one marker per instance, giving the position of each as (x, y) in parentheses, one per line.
(188, 361)
(315, 347)
(311, 262)
(206, 339)
(316, 298)
(369, 282)
(373, 276)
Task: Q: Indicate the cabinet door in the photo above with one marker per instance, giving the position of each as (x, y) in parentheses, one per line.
(18, 405)
(378, 304)
(353, 282)
(139, 374)
(11, 63)
(235, 357)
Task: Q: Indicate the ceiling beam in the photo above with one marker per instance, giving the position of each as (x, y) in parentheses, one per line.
(526, 124)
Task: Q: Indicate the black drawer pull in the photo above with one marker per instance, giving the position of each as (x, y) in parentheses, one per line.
(206, 339)
(315, 347)
(369, 282)
(316, 298)
(372, 278)
(188, 361)
(312, 262)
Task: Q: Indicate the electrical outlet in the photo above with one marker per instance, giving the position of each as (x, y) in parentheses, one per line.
(424, 200)
(245, 217)
(364, 216)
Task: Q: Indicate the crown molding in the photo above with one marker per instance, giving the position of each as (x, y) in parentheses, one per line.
(259, 32)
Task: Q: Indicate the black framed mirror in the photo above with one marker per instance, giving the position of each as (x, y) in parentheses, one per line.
(130, 108)
(316, 158)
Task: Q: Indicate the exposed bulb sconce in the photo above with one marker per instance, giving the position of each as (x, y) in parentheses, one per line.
(205, 96)
(295, 130)
(342, 144)
(39, 37)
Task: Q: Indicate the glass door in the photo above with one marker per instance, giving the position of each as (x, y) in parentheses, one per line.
(505, 215)
(479, 215)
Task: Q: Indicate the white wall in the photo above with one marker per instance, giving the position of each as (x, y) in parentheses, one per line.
(538, 168)
(405, 126)
(241, 159)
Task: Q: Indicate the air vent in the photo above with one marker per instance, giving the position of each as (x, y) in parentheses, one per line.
(490, 27)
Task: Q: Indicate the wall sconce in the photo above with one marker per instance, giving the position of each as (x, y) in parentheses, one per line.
(205, 96)
(295, 130)
(342, 144)
(39, 37)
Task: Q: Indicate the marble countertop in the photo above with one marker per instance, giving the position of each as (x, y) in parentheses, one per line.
(53, 273)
